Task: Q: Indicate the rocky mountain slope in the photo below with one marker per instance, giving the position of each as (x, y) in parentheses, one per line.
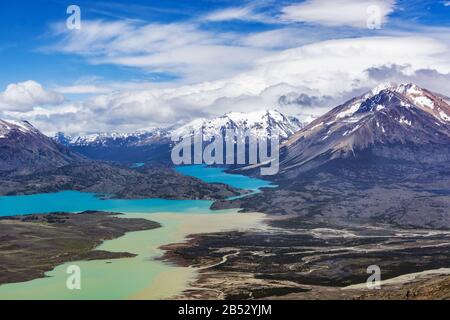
(24, 149)
(382, 157)
(32, 163)
(395, 122)
(120, 182)
(262, 123)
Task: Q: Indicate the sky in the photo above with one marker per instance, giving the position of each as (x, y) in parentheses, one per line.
(133, 65)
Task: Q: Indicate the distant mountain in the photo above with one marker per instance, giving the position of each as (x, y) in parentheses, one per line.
(154, 145)
(397, 122)
(24, 149)
(149, 146)
(260, 123)
(114, 139)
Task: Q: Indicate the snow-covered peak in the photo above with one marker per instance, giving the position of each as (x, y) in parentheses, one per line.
(409, 89)
(263, 123)
(255, 117)
(112, 138)
(389, 115)
(7, 126)
(381, 87)
(390, 95)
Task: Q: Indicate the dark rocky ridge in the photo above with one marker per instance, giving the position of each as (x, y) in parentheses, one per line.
(23, 150)
(119, 182)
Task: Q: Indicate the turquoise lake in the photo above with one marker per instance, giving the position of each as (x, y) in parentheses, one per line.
(219, 175)
(144, 276)
(74, 201)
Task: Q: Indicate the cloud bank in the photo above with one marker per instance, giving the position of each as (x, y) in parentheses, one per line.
(309, 79)
(338, 12)
(287, 66)
(24, 96)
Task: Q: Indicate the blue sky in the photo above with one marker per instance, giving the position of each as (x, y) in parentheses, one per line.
(28, 29)
(165, 51)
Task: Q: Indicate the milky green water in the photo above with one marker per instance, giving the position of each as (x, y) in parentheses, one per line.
(140, 277)
(116, 278)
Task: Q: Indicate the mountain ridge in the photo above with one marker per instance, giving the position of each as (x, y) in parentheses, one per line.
(262, 123)
(25, 149)
(154, 146)
(389, 116)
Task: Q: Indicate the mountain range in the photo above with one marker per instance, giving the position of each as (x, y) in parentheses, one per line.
(261, 123)
(391, 122)
(153, 146)
(265, 123)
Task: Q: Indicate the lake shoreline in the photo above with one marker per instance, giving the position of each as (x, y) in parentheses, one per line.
(59, 238)
(181, 277)
(294, 263)
(138, 252)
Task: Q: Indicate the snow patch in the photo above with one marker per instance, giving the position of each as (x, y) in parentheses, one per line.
(349, 111)
(444, 116)
(7, 125)
(405, 121)
(316, 126)
(423, 101)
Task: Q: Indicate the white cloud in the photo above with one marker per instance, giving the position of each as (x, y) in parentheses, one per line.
(353, 13)
(83, 89)
(244, 13)
(447, 3)
(183, 49)
(24, 96)
(316, 76)
(223, 71)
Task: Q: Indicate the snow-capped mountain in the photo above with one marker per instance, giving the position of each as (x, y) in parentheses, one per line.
(260, 123)
(24, 149)
(154, 145)
(13, 126)
(114, 139)
(403, 122)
